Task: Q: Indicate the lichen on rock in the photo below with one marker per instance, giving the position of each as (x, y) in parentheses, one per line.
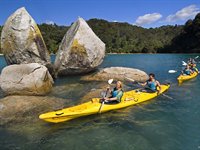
(80, 51)
(117, 73)
(26, 79)
(22, 42)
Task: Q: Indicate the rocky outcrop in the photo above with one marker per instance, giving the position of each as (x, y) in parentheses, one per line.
(117, 73)
(81, 51)
(19, 109)
(26, 79)
(22, 42)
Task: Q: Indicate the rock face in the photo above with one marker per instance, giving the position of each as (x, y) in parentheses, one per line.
(18, 109)
(22, 42)
(117, 73)
(26, 79)
(81, 51)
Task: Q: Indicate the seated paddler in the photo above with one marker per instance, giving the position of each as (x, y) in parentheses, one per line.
(116, 94)
(152, 84)
(187, 71)
(194, 68)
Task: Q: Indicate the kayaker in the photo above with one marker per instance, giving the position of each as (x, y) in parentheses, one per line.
(116, 94)
(194, 68)
(191, 61)
(187, 71)
(152, 83)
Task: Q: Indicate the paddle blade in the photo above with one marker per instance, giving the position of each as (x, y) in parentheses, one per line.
(184, 63)
(102, 94)
(172, 71)
(196, 57)
(110, 81)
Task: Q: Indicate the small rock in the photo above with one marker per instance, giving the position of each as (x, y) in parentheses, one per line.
(26, 79)
(117, 73)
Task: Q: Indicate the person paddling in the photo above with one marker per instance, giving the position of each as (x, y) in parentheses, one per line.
(152, 83)
(187, 71)
(191, 61)
(194, 68)
(116, 94)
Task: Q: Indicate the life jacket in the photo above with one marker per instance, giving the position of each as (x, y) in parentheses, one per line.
(194, 69)
(152, 84)
(115, 92)
(187, 71)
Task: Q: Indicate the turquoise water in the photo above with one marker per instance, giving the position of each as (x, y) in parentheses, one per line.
(159, 124)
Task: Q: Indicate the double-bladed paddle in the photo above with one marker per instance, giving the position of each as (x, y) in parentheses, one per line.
(109, 82)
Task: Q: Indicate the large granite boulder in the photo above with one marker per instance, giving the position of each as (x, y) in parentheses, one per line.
(80, 51)
(22, 42)
(117, 73)
(19, 109)
(26, 79)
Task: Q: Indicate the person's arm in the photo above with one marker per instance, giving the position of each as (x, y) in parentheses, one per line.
(159, 86)
(191, 72)
(143, 84)
(118, 97)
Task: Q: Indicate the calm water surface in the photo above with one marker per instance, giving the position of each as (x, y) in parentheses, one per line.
(159, 124)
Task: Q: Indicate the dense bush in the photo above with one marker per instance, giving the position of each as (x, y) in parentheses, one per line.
(188, 41)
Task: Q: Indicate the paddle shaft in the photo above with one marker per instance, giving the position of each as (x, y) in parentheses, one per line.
(103, 102)
(101, 107)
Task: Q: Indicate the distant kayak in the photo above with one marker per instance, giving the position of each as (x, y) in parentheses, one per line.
(129, 98)
(183, 78)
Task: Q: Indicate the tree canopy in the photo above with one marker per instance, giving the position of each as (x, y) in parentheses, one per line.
(126, 38)
(188, 41)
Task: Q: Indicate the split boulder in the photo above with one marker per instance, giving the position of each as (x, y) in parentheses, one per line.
(22, 42)
(80, 51)
(26, 79)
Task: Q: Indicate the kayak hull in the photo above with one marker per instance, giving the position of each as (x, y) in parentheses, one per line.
(92, 107)
(183, 78)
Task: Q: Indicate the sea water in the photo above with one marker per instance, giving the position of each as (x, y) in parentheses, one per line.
(159, 124)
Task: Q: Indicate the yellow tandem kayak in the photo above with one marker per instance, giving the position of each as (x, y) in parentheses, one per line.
(183, 78)
(129, 98)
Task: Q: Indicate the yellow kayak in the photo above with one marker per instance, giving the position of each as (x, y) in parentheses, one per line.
(92, 107)
(183, 78)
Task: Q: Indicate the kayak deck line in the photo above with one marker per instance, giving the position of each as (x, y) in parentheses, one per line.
(129, 98)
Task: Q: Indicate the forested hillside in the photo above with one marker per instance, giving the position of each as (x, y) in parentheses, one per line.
(126, 38)
(52, 35)
(189, 39)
